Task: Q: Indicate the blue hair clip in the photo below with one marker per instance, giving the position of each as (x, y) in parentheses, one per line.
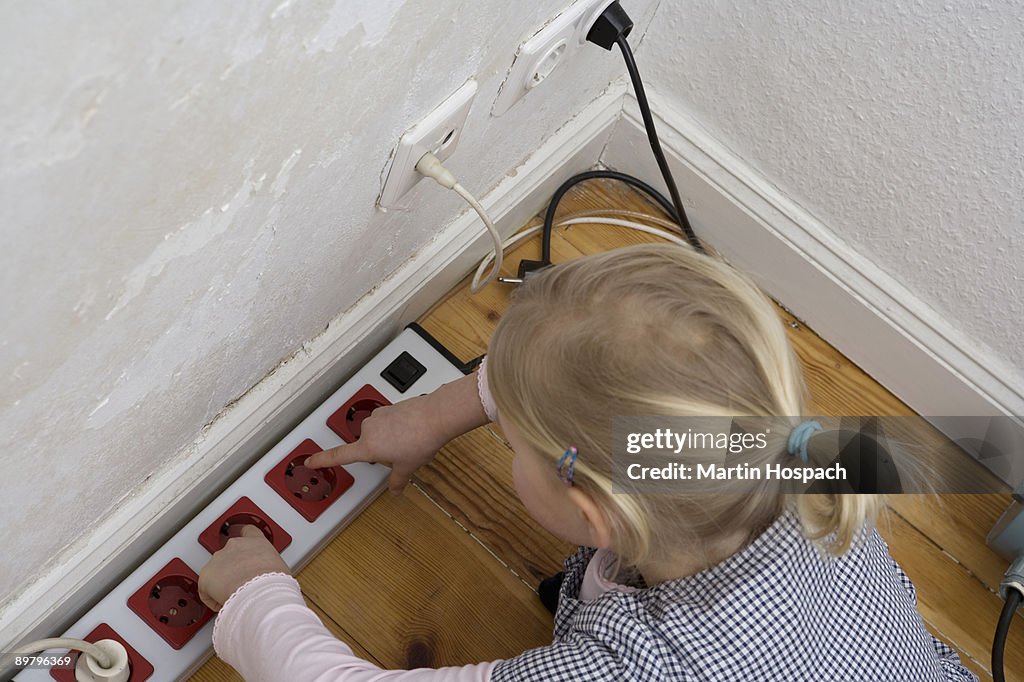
(570, 456)
(799, 436)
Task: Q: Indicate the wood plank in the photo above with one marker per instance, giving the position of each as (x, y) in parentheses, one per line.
(464, 322)
(957, 524)
(958, 608)
(416, 590)
(216, 670)
(471, 479)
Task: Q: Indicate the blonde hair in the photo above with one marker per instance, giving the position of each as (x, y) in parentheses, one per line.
(657, 329)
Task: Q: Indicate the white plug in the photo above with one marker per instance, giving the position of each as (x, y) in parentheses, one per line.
(88, 669)
(431, 166)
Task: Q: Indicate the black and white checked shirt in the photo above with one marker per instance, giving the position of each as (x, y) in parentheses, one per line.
(781, 609)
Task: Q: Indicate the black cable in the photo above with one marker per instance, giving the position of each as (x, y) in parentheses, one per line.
(556, 198)
(1013, 600)
(612, 28)
(652, 136)
(674, 209)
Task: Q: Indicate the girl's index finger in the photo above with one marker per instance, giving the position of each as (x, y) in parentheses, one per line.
(343, 454)
(205, 597)
(249, 531)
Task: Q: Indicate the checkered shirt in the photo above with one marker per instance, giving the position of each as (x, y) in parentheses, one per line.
(781, 609)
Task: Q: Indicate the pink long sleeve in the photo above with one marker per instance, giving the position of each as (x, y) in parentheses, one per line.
(266, 633)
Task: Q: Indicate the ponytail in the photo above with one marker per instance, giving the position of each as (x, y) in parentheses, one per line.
(837, 515)
(835, 518)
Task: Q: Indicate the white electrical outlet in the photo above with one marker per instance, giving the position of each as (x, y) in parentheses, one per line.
(551, 46)
(439, 133)
(155, 611)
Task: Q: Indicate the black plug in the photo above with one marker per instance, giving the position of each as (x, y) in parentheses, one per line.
(526, 269)
(610, 26)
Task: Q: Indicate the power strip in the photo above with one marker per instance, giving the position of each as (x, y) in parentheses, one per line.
(155, 610)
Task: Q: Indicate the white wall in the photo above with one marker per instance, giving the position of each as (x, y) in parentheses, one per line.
(187, 195)
(899, 125)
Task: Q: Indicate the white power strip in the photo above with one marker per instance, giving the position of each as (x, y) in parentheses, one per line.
(309, 518)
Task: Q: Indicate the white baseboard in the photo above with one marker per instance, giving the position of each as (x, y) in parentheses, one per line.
(85, 572)
(861, 310)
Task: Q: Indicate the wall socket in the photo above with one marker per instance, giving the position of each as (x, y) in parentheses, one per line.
(551, 46)
(439, 133)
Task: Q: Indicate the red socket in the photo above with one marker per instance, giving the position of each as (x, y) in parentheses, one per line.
(241, 514)
(309, 491)
(347, 421)
(141, 669)
(169, 603)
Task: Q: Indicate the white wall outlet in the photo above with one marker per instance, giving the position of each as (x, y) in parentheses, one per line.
(439, 133)
(539, 56)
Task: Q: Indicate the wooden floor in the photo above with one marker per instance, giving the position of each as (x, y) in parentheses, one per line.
(444, 575)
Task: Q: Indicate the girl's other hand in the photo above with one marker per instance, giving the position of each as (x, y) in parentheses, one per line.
(242, 559)
(404, 436)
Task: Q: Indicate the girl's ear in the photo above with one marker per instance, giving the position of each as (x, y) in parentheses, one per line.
(599, 530)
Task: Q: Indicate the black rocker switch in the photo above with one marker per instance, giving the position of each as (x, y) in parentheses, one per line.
(403, 372)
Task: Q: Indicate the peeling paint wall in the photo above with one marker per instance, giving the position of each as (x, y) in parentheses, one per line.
(187, 195)
(899, 124)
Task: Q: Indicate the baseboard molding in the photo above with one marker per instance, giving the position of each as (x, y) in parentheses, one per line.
(78, 577)
(861, 310)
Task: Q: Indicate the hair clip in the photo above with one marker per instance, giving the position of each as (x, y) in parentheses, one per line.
(570, 469)
(796, 444)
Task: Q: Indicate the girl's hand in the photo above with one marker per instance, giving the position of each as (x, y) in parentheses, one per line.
(242, 559)
(405, 436)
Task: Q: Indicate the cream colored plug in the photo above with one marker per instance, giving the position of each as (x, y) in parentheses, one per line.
(430, 166)
(88, 669)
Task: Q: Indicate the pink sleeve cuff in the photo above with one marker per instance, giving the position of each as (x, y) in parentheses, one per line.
(486, 399)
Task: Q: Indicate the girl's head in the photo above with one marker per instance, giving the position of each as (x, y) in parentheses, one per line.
(647, 330)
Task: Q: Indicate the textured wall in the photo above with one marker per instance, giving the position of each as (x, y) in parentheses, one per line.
(187, 195)
(899, 124)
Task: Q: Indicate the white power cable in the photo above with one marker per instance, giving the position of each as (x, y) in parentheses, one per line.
(621, 213)
(430, 166)
(497, 255)
(592, 220)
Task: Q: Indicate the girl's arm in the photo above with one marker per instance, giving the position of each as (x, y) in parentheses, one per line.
(266, 632)
(408, 434)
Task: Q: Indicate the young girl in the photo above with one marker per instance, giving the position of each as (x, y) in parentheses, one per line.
(761, 586)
